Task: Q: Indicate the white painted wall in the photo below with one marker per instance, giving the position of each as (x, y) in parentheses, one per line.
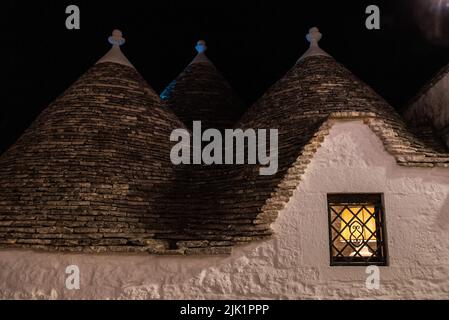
(295, 264)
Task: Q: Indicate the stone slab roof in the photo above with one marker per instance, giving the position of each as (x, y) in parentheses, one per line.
(89, 171)
(430, 106)
(430, 84)
(93, 174)
(201, 92)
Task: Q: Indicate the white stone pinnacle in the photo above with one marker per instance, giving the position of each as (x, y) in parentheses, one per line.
(314, 36)
(115, 54)
(201, 56)
(116, 38)
(201, 46)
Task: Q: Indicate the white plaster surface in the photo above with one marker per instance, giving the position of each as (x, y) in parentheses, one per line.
(295, 263)
(115, 55)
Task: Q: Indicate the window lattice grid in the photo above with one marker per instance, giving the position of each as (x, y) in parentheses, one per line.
(356, 230)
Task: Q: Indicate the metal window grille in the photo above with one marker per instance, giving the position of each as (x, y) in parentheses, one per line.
(356, 230)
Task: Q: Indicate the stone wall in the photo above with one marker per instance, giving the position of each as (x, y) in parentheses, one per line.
(295, 262)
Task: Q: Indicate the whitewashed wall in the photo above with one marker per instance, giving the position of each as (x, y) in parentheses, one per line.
(295, 264)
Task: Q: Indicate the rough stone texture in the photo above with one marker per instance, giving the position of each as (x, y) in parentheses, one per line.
(295, 262)
(93, 173)
(236, 204)
(302, 106)
(89, 173)
(201, 93)
(431, 105)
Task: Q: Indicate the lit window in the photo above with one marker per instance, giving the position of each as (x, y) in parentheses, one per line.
(356, 229)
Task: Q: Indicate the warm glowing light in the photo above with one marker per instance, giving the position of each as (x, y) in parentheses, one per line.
(358, 225)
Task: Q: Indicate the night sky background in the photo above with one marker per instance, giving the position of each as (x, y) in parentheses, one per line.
(252, 43)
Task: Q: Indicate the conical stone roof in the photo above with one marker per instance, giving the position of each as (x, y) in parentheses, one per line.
(318, 88)
(91, 172)
(303, 106)
(200, 92)
(430, 107)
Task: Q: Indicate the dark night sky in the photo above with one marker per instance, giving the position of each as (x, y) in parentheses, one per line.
(253, 43)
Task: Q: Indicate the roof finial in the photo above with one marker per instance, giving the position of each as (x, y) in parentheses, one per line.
(314, 36)
(116, 38)
(115, 53)
(201, 46)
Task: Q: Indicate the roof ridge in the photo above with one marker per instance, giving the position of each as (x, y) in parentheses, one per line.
(440, 74)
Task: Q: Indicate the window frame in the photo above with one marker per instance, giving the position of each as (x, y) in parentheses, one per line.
(360, 199)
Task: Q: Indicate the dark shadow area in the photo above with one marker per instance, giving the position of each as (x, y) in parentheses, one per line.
(253, 43)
